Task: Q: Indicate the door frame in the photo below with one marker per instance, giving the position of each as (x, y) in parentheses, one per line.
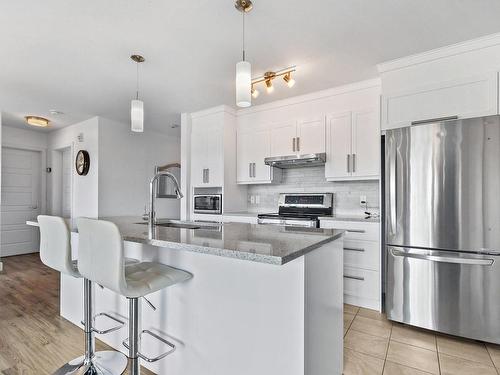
(43, 172)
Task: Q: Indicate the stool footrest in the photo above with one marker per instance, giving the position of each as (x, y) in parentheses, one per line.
(155, 336)
(109, 330)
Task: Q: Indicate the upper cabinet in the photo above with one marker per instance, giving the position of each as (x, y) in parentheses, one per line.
(252, 148)
(298, 137)
(462, 98)
(353, 145)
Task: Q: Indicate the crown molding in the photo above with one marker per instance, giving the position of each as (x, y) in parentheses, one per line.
(317, 95)
(214, 110)
(439, 53)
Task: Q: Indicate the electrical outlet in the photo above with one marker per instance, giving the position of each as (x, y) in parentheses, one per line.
(252, 199)
(362, 200)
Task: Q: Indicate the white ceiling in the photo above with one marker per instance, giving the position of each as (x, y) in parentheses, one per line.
(73, 55)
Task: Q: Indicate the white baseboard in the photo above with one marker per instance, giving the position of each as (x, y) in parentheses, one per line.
(367, 303)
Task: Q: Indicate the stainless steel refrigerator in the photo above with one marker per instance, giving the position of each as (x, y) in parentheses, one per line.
(442, 226)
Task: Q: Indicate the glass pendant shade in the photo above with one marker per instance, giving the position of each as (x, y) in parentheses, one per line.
(243, 84)
(137, 115)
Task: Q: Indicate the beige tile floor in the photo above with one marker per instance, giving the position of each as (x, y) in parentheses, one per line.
(375, 346)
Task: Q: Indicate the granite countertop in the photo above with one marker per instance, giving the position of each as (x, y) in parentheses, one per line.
(259, 243)
(356, 218)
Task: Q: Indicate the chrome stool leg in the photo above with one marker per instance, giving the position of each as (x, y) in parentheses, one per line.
(93, 363)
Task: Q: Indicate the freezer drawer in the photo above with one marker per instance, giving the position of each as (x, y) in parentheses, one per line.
(452, 292)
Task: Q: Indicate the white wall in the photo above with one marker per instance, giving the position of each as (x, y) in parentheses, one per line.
(127, 162)
(24, 138)
(85, 188)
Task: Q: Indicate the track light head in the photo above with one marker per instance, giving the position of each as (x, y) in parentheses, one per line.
(269, 86)
(255, 93)
(289, 80)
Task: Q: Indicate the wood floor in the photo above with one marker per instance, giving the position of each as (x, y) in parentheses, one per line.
(34, 339)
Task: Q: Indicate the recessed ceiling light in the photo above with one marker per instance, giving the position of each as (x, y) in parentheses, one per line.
(37, 121)
(55, 112)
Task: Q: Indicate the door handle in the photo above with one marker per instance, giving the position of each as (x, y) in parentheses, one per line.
(353, 163)
(253, 170)
(348, 163)
(250, 170)
(359, 249)
(360, 278)
(293, 144)
(437, 119)
(392, 186)
(208, 175)
(443, 259)
(203, 175)
(298, 143)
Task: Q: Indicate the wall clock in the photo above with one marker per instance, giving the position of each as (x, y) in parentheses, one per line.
(82, 162)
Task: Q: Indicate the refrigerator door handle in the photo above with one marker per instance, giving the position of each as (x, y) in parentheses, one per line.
(443, 259)
(393, 188)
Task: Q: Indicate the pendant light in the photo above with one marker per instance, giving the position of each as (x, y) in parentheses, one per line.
(243, 68)
(137, 106)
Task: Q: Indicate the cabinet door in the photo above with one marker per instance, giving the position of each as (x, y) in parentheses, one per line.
(261, 147)
(467, 97)
(311, 136)
(338, 157)
(365, 143)
(214, 139)
(283, 138)
(244, 153)
(198, 156)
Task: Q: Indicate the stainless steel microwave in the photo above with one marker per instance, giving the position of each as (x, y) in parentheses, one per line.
(208, 204)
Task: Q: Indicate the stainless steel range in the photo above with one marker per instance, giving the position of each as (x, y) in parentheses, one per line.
(300, 210)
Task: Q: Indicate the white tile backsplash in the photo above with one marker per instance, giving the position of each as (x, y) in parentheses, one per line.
(312, 180)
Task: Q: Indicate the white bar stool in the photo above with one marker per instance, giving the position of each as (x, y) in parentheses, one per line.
(101, 260)
(55, 252)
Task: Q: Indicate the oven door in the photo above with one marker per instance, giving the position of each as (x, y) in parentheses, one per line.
(208, 204)
(447, 291)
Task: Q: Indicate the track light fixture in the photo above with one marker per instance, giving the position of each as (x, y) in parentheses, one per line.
(268, 78)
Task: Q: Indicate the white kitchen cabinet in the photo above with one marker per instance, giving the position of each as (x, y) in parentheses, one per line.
(207, 151)
(362, 261)
(466, 97)
(311, 136)
(252, 148)
(353, 146)
(283, 139)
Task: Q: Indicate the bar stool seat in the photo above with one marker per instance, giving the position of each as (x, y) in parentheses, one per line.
(148, 277)
(101, 259)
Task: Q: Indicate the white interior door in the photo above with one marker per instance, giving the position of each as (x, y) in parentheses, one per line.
(66, 182)
(21, 200)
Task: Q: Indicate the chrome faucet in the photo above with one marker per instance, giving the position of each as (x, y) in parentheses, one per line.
(152, 195)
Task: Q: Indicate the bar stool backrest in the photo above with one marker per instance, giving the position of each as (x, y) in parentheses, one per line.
(100, 253)
(55, 244)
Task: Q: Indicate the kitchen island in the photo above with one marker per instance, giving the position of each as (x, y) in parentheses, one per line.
(263, 299)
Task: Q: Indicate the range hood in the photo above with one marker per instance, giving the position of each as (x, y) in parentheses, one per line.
(296, 161)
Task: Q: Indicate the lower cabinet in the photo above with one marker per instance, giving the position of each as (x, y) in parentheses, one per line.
(362, 260)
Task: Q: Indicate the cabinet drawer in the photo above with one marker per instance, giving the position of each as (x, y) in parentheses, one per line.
(355, 230)
(362, 254)
(361, 283)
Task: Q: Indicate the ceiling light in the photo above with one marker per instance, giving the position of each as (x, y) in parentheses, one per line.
(37, 121)
(137, 106)
(289, 80)
(255, 93)
(269, 86)
(243, 68)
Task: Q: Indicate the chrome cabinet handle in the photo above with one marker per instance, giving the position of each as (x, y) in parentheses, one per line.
(249, 169)
(355, 231)
(392, 184)
(443, 259)
(208, 175)
(359, 249)
(293, 144)
(353, 163)
(253, 170)
(298, 143)
(348, 163)
(204, 178)
(437, 119)
(354, 277)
